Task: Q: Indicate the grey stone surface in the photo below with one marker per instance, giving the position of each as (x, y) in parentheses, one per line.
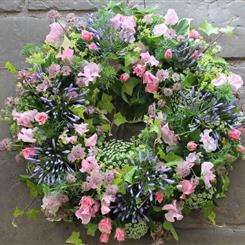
(11, 5)
(60, 4)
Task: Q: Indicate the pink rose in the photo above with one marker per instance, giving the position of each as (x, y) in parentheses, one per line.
(171, 18)
(174, 211)
(159, 197)
(24, 118)
(124, 77)
(194, 34)
(207, 173)
(168, 54)
(234, 134)
(138, 70)
(91, 141)
(104, 238)
(41, 118)
(105, 226)
(191, 146)
(151, 87)
(87, 36)
(187, 187)
(92, 46)
(28, 152)
(119, 234)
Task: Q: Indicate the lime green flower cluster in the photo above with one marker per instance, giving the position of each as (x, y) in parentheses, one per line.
(136, 231)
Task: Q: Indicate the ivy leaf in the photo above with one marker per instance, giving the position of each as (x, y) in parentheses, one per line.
(208, 212)
(75, 239)
(208, 28)
(129, 175)
(128, 86)
(10, 67)
(131, 58)
(78, 111)
(183, 27)
(18, 212)
(105, 103)
(91, 229)
(169, 227)
(33, 214)
(119, 119)
(228, 30)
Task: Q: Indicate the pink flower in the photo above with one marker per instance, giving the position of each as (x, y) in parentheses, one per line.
(56, 33)
(116, 21)
(92, 46)
(187, 187)
(87, 36)
(28, 152)
(235, 81)
(148, 19)
(95, 179)
(234, 134)
(89, 164)
(70, 178)
(81, 128)
(174, 211)
(91, 141)
(90, 73)
(41, 118)
(159, 197)
(53, 70)
(207, 173)
(104, 238)
(24, 118)
(149, 78)
(124, 77)
(161, 30)
(26, 135)
(169, 136)
(105, 226)
(119, 234)
(220, 80)
(138, 70)
(149, 59)
(77, 153)
(51, 203)
(168, 54)
(151, 87)
(162, 75)
(66, 55)
(240, 148)
(194, 34)
(209, 143)
(191, 146)
(171, 17)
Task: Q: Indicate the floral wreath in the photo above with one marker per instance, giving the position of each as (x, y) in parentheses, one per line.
(127, 121)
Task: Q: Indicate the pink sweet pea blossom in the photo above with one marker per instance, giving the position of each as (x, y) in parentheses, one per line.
(171, 18)
(159, 197)
(235, 81)
(53, 70)
(87, 36)
(28, 152)
(56, 33)
(91, 141)
(149, 78)
(149, 59)
(105, 203)
(124, 77)
(207, 173)
(77, 153)
(89, 164)
(41, 118)
(119, 234)
(81, 128)
(92, 46)
(187, 187)
(138, 70)
(168, 54)
(104, 238)
(220, 80)
(174, 211)
(161, 30)
(66, 55)
(234, 134)
(194, 34)
(105, 226)
(26, 135)
(151, 87)
(209, 143)
(191, 146)
(169, 137)
(24, 118)
(116, 21)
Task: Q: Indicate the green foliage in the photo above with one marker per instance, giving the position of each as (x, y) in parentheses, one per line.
(35, 190)
(10, 67)
(91, 229)
(33, 214)
(106, 103)
(136, 231)
(75, 239)
(168, 226)
(183, 27)
(119, 119)
(208, 212)
(208, 28)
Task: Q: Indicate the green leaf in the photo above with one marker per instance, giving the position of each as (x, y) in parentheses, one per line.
(91, 229)
(169, 227)
(10, 67)
(18, 212)
(33, 214)
(208, 212)
(105, 103)
(228, 30)
(67, 43)
(183, 27)
(131, 58)
(128, 86)
(78, 111)
(75, 239)
(208, 28)
(172, 157)
(34, 189)
(129, 175)
(119, 119)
